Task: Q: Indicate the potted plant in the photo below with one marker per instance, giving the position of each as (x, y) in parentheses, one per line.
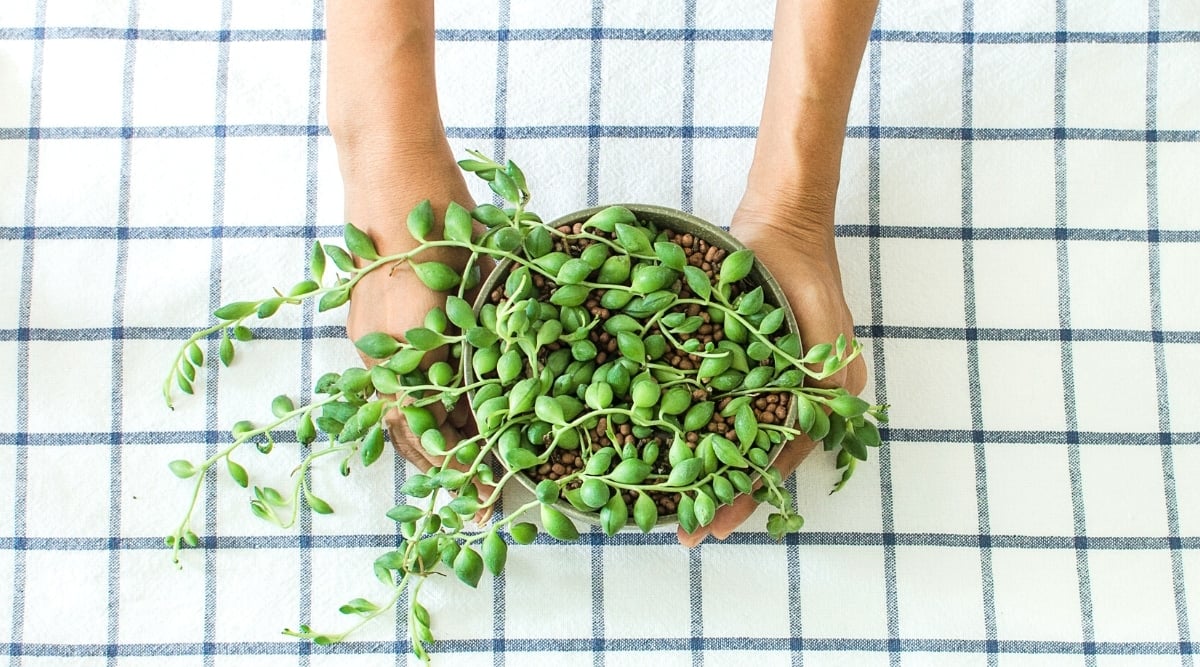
(631, 365)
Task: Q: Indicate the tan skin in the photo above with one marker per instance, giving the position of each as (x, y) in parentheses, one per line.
(392, 152)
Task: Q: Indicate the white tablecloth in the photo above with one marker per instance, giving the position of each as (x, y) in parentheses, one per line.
(1020, 247)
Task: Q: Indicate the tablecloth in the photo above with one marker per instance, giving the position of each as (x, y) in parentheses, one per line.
(1019, 243)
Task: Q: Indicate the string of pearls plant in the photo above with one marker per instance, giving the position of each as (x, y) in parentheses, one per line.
(633, 372)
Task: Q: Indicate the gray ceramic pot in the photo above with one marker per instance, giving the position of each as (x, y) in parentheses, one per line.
(664, 218)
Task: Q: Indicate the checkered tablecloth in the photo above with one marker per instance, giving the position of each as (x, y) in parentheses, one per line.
(1020, 246)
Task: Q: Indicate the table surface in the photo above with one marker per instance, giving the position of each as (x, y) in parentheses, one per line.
(1019, 244)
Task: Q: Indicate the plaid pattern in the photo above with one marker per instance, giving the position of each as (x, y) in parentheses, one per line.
(1016, 244)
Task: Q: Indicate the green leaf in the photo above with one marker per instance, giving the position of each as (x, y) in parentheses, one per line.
(481, 338)
(405, 361)
(645, 512)
(318, 505)
(728, 453)
(723, 490)
(468, 566)
(570, 295)
(849, 406)
(225, 351)
(599, 462)
(358, 606)
(818, 353)
(237, 472)
(631, 347)
(547, 491)
(685, 472)
(437, 276)
(771, 323)
(420, 222)
(417, 486)
(698, 281)
(705, 509)
(686, 513)
(671, 255)
(460, 313)
(405, 513)
(614, 270)
(594, 492)
(630, 471)
(372, 445)
(419, 419)
(377, 345)
(195, 354)
(538, 242)
(458, 224)
(490, 215)
(424, 339)
(504, 186)
(633, 239)
(341, 259)
(573, 272)
(614, 515)
(464, 506)
(649, 278)
(334, 299)
(316, 262)
(521, 459)
(185, 385)
(698, 416)
(523, 533)
(558, 525)
(736, 266)
(182, 469)
(235, 310)
(549, 410)
(495, 553)
(282, 405)
(359, 243)
(607, 219)
(854, 445)
(385, 381)
(751, 301)
(745, 426)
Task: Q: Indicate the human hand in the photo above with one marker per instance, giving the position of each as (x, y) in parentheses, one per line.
(797, 246)
(396, 301)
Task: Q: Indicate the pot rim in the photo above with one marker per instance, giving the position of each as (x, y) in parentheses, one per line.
(679, 221)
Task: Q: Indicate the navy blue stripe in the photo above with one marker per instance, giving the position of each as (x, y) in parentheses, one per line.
(878, 356)
(118, 346)
(211, 352)
(603, 33)
(986, 575)
(305, 573)
(586, 645)
(847, 230)
(1166, 236)
(292, 541)
(687, 145)
(596, 129)
(500, 151)
(21, 460)
(1160, 363)
(898, 435)
(1064, 314)
(593, 130)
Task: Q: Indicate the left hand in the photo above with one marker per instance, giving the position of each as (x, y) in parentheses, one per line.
(798, 247)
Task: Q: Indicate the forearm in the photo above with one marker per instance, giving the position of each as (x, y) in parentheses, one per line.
(384, 115)
(815, 56)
